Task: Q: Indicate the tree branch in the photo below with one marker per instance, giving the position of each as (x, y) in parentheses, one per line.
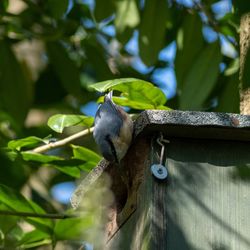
(62, 142)
(199, 6)
(47, 216)
(210, 18)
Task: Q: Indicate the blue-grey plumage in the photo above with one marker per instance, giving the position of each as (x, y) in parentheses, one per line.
(113, 130)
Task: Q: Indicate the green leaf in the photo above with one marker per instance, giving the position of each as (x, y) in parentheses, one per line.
(15, 94)
(10, 239)
(103, 9)
(29, 142)
(242, 7)
(109, 84)
(233, 67)
(201, 78)
(189, 45)
(137, 93)
(85, 154)
(123, 101)
(88, 166)
(126, 19)
(12, 169)
(7, 222)
(16, 202)
(58, 7)
(12, 124)
(31, 156)
(65, 68)
(70, 170)
(152, 30)
(11, 155)
(73, 228)
(13, 200)
(229, 99)
(127, 15)
(4, 5)
(33, 239)
(45, 225)
(142, 91)
(90, 157)
(71, 167)
(60, 121)
(95, 54)
(48, 79)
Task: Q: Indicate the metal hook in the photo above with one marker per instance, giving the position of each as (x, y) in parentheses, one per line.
(160, 140)
(159, 171)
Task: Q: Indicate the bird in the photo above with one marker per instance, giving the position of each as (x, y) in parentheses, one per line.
(113, 130)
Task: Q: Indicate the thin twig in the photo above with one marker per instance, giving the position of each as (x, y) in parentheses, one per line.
(210, 18)
(63, 142)
(47, 216)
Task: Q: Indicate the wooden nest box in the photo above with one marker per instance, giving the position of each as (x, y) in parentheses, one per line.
(204, 203)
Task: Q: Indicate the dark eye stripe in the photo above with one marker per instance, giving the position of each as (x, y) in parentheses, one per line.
(112, 147)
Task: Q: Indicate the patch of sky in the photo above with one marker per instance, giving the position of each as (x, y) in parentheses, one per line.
(222, 67)
(186, 3)
(87, 246)
(132, 44)
(160, 75)
(203, 17)
(108, 20)
(168, 53)
(232, 39)
(165, 77)
(109, 30)
(209, 34)
(166, 81)
(138, 65)
(90, 3)
(227, 47)
(221, 8)
(102, 40)
(132, 48)
(70, 5)
(141, 3)
(63, 191)
(90, 108)
(88, 23)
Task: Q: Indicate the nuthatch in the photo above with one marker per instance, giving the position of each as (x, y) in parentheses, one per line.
(113, 130)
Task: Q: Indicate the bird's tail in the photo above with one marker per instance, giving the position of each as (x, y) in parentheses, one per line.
(109, 96)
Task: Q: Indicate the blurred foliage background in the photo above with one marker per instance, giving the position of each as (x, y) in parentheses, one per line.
(52, 50)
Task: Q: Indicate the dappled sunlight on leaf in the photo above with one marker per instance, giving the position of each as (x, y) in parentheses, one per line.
(28, 142)
(60, 121)
(137, 94)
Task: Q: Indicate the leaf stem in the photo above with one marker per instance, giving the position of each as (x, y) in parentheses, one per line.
(63, 142)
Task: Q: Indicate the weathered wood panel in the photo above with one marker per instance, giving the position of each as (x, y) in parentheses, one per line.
(205, 203)
(208, 196)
